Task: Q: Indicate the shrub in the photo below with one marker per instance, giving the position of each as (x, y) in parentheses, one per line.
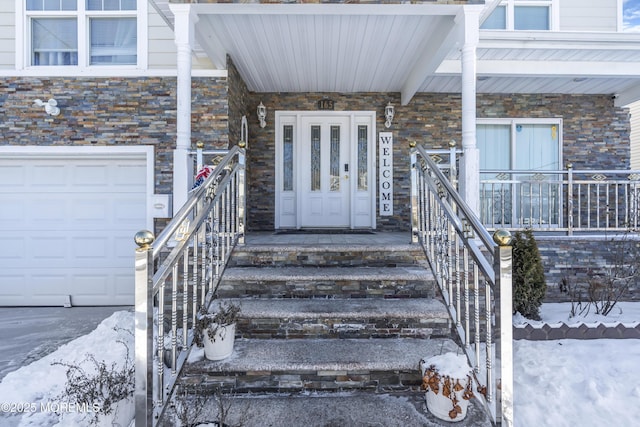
(529, 286)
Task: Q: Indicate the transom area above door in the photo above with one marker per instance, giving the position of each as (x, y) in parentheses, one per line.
(324, 169)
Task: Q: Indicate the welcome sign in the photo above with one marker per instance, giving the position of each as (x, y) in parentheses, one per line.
(385, 144)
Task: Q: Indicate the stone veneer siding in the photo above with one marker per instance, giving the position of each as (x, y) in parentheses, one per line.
(113, 111)
(580, 258)
(591, 123)
(238, 102)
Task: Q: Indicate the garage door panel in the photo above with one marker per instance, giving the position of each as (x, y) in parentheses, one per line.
(91, 209)
(129, 175)
(12, 177)
(90, 176)
(48, 176)
(68, 227)
(12, 248)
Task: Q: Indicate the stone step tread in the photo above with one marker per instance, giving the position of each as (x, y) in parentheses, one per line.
(323, 409)
(327, 273)
(358, 308)
(330, 248)
(324, 355)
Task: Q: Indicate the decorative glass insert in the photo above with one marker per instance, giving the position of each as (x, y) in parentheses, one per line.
(287, 158)
(55, 41)
(315, 158)
(113, 41)
(334, 159)
(363, 179)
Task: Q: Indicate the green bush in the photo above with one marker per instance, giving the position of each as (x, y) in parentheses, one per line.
(529, 286)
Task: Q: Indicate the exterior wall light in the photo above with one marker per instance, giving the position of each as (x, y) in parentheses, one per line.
(51, 106)
(389, 111)
(262, 114)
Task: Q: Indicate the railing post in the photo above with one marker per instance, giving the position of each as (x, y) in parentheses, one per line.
(503, 267)
(570, 199)
(242, 194)
(453, 170)
(143, 391)
(414, 193)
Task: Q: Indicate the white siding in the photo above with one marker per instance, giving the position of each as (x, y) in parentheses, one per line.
(162, 48)
(635, 135)
(7, 35)
(588, 15)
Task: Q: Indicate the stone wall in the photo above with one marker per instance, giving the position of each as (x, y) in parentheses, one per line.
(579, 259)
(112, 111)
(590, 123)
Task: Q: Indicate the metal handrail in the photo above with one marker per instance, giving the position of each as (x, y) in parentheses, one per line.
(187, 260)
(561, 200)
(465, 258)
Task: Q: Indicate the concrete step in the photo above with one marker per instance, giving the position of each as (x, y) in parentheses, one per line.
(342, 318)
(319, 409)
(328, 282)
(258, 365)
(372, 255)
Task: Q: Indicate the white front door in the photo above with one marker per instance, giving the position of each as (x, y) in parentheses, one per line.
(324, 164)
(324, 169)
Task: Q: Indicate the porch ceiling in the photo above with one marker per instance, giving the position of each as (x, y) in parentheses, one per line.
(404, 48)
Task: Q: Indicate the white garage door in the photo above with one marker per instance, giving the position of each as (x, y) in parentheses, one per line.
(67, 225)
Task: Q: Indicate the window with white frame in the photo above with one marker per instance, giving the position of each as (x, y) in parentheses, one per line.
(524, 15)
(81, 32)
(519, 160)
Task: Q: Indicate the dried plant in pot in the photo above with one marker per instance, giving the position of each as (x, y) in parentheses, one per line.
(215, 330)
(447, 380)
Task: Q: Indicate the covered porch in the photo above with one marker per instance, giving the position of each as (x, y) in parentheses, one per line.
(423, 59)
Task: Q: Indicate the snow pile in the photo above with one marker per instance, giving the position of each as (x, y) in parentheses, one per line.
(554, 314)
(448, 365)
(569, 383)
(37, 390)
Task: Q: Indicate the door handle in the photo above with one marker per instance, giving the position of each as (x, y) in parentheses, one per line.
(346, 167)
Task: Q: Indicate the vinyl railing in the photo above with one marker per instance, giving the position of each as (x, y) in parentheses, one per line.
(473, 273)
(560, 200)
(176, 274)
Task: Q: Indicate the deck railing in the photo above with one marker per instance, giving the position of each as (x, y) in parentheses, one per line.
(177, 274)
(560, 200)
(473, 273)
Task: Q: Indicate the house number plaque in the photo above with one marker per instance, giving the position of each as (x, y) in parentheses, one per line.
(325, 104)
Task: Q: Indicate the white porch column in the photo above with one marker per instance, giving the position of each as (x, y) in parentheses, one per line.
(182, 166)
(470, 162)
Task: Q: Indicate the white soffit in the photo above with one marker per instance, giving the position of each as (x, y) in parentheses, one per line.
(403, 48)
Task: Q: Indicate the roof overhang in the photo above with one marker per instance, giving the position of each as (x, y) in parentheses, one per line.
(404, 48)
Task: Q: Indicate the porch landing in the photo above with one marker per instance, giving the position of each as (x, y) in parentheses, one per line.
(348, 238)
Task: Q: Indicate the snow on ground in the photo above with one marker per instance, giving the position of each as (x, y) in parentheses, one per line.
(557, 383)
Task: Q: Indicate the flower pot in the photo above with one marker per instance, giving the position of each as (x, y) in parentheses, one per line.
(220, 345)
(448, 385)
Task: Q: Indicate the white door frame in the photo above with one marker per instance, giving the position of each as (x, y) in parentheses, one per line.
(362, 203)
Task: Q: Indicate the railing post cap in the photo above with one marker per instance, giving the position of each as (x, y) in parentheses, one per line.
(502, 237)
(452, 143)
(200, 144)
(242, 144)
(569, 165)
(144, 238)
(412, 144)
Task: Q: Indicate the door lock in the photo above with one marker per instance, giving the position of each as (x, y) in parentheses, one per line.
(346, 167)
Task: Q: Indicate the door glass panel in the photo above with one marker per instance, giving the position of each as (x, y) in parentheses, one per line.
(334, 159)
(494, 143)
(315, 158)
(536, 148)
(287, 158)
(363, 183)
